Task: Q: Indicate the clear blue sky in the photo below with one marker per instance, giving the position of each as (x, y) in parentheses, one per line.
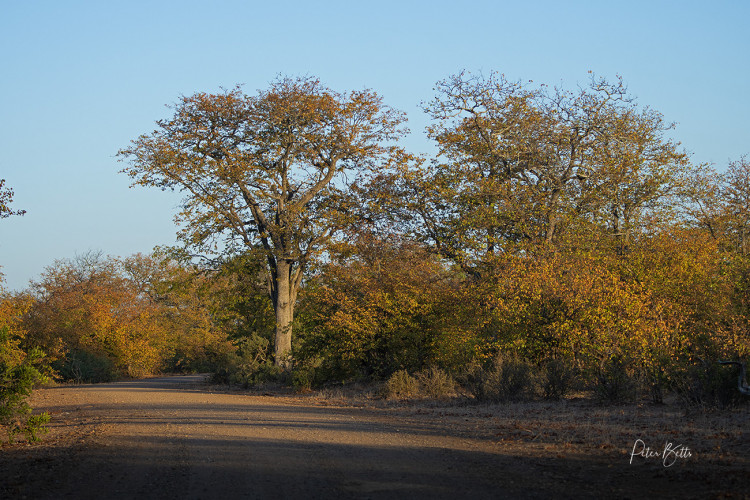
(80, 79)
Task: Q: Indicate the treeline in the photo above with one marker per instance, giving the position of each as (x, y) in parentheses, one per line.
(100, 318)
(559, 239)
(641, 322)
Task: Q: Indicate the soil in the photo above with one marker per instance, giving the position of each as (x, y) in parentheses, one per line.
(177, 437)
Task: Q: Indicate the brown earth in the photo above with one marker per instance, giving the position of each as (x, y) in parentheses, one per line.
(176, 437)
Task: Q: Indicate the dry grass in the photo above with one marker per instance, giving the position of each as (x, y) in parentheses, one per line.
(576, 426)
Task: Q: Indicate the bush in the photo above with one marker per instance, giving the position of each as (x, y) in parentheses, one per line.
(556, 378)
(615, 381)
(306, 375)
(508, 378)
(401, 385)
(86, 367)
(19, 374)
(249, 365)
(434, 383)
(709, 385)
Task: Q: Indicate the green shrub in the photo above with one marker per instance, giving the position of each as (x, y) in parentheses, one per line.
(19, 373)
(249, 365)
(82, 367)
(305, 375)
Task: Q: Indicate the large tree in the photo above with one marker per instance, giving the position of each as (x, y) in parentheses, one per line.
(267, 173)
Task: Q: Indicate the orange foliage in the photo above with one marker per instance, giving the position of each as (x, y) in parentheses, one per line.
(387, 308)
(141, 313)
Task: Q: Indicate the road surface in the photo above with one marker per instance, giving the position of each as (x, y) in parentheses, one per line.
(174, 437)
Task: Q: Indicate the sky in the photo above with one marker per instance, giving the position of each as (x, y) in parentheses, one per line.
(80, 79)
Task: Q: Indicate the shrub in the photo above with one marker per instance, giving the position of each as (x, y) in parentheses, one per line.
(306, 375)
(507, 378)
(19, 373)
(82, 366)
(401, 385)
(708, 385)
(615, 381)
(249, 365)
(556, 378)
(434, 383)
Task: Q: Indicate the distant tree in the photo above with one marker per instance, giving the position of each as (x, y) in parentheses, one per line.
(720, 203)
(266, 173)
(6, 198)
(737, 198)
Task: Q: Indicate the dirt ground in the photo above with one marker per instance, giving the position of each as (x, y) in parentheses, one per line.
(176, 437)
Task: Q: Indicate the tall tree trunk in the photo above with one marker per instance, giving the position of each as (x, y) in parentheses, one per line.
(283, 304)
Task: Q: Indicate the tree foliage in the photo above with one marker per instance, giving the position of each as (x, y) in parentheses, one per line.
(558, 238)
(379, 308)
(6, 198)
(105, 317)
(266, 173)
(20, 371)
(520, 167)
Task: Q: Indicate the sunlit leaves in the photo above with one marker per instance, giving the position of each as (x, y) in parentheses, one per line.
(143, 313)
(383, 308)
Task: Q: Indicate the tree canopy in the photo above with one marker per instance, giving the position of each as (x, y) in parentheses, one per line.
(267, 173)
(519, 165)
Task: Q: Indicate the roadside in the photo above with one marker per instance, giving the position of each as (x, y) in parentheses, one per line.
(174, 437)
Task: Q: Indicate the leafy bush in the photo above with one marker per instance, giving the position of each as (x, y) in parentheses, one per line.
(556, 378)
(19, 373)
(377, 309)
(615, 381)
(305, 375)
(82, 366)
(709, 385)
(249, 365)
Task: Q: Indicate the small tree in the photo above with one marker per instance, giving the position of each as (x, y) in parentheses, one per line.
(266, 173)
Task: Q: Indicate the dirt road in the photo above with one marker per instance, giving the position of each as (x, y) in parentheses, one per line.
(174, 437)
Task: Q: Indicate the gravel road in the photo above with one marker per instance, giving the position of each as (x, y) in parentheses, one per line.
(175, 437)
